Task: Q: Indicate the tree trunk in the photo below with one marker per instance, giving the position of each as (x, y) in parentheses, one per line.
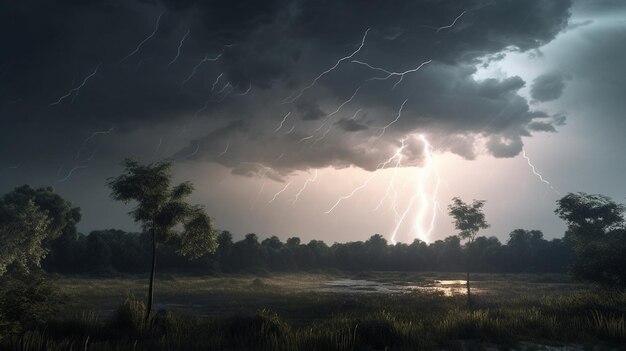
(469, 261)
(151, 283)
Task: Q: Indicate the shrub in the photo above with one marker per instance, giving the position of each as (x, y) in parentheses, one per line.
(130, 315)
(26, 301)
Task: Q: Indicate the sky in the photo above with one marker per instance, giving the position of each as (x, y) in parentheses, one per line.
(329, 120)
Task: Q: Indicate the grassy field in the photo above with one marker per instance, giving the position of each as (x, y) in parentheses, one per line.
(288, 293)
(333, 312)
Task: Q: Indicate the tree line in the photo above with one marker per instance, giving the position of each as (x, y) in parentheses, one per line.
(115, 251)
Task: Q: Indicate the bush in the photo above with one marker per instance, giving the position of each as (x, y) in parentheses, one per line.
(130, 315)
(376, 333)
(26, 301)
(264, 326)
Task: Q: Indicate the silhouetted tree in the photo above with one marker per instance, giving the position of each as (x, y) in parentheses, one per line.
(224, 249)
(377, 251)
(468, 219)
(524, 247)
(596, 228)
(63, 217)
(249, 253)
(488, 253)
(160, 209)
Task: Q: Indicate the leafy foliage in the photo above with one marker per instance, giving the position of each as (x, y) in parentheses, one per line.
(23, 229)
(160, 208)
(468, 218)
(596, 227)
(63, 217)
(26, 301)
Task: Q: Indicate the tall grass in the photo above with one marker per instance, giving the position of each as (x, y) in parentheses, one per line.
(376, 322)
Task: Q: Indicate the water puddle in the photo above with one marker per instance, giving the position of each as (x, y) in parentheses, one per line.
(360, 286)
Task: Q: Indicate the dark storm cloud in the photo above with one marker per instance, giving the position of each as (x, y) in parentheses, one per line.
(350, 125)
(599, 6)
(548, 86)
(268, 50)
(309, 111)
(505, 147)
(541, 127)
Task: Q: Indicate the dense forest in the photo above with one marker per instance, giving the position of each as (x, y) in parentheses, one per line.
(116, 251)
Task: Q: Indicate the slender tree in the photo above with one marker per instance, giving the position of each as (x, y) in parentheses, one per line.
(468, 220)
(161, 209)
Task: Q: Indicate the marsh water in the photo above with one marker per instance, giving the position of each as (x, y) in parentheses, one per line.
(360, 286)
(294, 294)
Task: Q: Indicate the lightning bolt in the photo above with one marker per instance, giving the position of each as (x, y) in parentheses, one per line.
(156, 28)
(225, 150)
(391, 74)
(216, 81)
(195, 68)
(94, 134)
(195, 151)
(88, 159)
(246, 91)
(291, 129)
(180, 45)
(539, 175)
(451, 24)
(279, 192)
(368, 180)
(423, 226)
(400, 220)
(305, 138)
(282, 122)
(422, 232)
(290, 100)
(328, 117)
(76, 90)
(321, 137)
(70, 173)
(355, 114)
(195, 116)
(306, 183)
(394, 121)
(223, 90)
(393, 178)
(261, 188)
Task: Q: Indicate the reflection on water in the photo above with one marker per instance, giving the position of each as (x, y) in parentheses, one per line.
(360, 286)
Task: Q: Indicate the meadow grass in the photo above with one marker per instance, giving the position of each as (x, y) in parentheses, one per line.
(286, 312)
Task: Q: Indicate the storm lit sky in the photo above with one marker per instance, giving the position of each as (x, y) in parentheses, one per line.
(330, 120)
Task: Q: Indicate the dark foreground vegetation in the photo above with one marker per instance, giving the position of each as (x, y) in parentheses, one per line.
(363, 322)
(38, 239)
